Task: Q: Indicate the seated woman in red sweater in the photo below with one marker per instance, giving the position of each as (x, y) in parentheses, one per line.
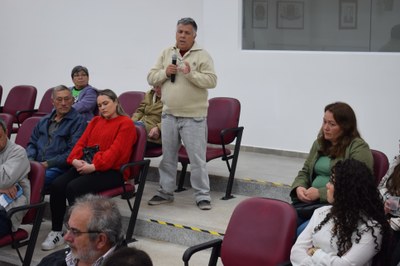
(113, 132)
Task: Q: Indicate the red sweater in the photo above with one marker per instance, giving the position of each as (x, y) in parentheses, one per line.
(115, 138)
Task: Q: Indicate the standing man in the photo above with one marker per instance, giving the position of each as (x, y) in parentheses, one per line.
(185, 72)
(55, 135)
(85, 96)
(14, 168)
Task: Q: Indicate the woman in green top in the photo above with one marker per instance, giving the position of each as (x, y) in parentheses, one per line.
(338, 139)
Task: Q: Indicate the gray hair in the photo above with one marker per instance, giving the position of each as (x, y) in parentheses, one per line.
(59, 88)
(3, 125)
(113, 96)
(188, 21)
(106, 217)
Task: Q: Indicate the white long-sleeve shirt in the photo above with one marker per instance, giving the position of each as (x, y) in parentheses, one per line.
(360, 254)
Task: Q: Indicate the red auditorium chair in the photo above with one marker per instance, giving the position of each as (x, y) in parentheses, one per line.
(19, 98)
(381, 164)
(222, 122)
(8, 119)
(24, 134)
(45, 106)
(138, 172)
(130, 101)
(261, 232)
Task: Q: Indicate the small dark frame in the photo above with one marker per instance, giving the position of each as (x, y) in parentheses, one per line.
(290, 15)
(348, 10)
(260, 14)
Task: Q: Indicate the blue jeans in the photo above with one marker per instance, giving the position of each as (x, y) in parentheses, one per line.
(192, 131)
(51, 174)
(301, 227)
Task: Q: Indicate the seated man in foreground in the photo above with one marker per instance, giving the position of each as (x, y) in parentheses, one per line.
(94, 232)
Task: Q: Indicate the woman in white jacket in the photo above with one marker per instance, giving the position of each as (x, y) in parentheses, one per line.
(390, 186)
(351, 231)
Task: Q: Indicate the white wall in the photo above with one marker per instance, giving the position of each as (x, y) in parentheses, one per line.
(282, 93)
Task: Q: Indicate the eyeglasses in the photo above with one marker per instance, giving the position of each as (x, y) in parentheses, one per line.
(60, 99)
(76, 232)
(79, 75)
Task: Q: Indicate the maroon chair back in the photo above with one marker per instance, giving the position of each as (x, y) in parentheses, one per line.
(36, 176)
(46, 105)
(381, 165)
(25, 131)
(8, 119)
(130, 101)
(223, 128)
(20, 98)
(261, 232)
(1, 93)
(138, 150)
(137, 155)
(223, 112)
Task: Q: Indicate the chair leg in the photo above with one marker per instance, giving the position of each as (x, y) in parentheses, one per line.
(182, 178)
(232, 170)
(228, 192)
(138, 198)
(34, 235)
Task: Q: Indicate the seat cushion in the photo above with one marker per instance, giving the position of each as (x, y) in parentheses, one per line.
(20, 235)
(117, 191)
(212, 153)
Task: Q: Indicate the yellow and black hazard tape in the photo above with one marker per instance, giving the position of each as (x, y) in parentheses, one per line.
(275, 184)
(180, 226)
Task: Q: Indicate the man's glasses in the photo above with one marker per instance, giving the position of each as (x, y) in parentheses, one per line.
(79, 75)
(76, 232)
(60, 99)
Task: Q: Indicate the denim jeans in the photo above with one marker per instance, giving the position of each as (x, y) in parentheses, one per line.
(192, 131)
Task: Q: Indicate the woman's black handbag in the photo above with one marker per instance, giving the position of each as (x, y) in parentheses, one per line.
(89, 152)
(306, 210)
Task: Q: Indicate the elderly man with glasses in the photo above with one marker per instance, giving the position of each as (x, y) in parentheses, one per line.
(55, 135)
(94, 232)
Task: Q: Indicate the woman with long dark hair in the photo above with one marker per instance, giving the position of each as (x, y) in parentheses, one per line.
(338, 139)
(353, 229)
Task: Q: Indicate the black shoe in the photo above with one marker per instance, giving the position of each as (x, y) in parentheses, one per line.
(204, 205)
(157, 200)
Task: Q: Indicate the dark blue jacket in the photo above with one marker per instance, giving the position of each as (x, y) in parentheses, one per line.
(55, 151)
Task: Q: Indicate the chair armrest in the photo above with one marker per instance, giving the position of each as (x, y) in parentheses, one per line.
(215, 244)
(286, 263)
(237, 131)
(18, 113)
(132, 164)
(14, 210)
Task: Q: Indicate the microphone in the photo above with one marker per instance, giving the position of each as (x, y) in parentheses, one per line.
(174, 57)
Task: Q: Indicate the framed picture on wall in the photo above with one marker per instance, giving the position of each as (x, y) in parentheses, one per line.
(260, 14)
(290, 15)
(348, 14)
